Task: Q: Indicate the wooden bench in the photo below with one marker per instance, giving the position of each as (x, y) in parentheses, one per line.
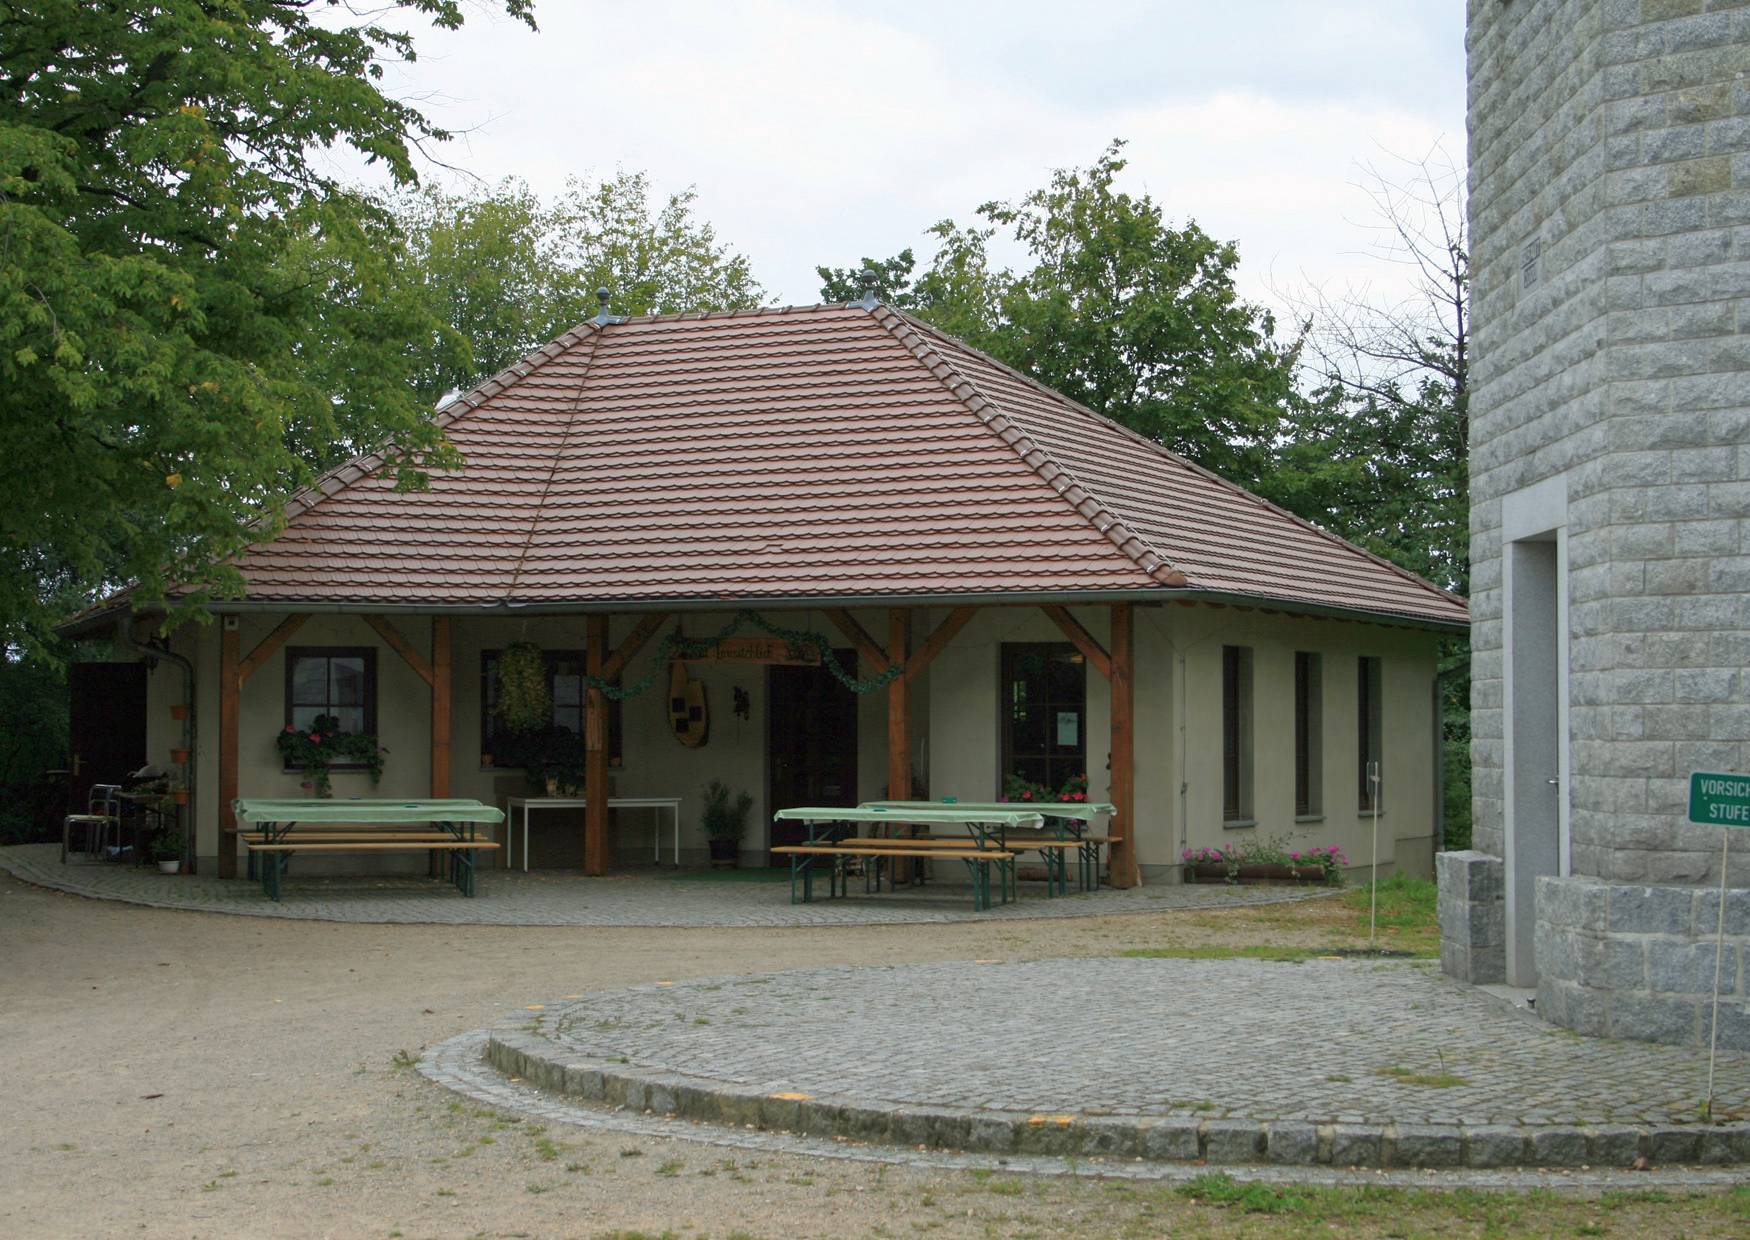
(978, 861)
(1053, 851)
(277, 852)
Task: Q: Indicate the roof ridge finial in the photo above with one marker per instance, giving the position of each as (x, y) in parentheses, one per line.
(602, 317)
(867, 279)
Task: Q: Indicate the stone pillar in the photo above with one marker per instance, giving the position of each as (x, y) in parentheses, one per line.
(1473, 918)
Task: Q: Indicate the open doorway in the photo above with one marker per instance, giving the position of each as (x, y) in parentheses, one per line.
(811, 741)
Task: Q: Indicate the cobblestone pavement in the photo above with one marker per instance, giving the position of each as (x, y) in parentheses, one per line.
(458, 1065)
(557, 898)
(1327, 1041)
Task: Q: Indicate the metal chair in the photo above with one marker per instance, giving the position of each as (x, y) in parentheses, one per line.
(102, 817)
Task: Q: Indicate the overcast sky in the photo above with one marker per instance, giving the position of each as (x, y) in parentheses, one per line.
(820, 132)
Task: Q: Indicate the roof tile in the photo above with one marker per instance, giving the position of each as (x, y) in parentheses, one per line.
(823, 451)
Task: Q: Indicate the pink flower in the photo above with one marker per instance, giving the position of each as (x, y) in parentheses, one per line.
(315, 738)
(290, 728)
(1026, 796)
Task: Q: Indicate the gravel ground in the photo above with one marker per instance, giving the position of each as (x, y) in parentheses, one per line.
(188, 1074)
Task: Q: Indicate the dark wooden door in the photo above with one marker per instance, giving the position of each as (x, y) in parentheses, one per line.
(107, 708)
(811, 741)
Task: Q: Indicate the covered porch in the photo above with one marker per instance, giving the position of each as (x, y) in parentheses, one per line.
(781, 723)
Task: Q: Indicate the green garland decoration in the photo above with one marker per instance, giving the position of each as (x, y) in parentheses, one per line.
(802, 643)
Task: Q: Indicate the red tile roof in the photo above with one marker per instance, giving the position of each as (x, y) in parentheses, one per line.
(816, 453)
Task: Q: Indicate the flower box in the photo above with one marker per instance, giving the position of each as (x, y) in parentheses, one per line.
(1207, 872)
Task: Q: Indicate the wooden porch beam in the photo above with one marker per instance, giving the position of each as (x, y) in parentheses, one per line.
(392, 638)
(595, 752)
(439, 679)
(859, 637)
(1084, 640)
(1125, 871)
(898, 709)
(635, 641)
(938, 640)
(270, 646)
(230, 682)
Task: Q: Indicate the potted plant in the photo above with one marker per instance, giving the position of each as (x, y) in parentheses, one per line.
(725, 823)
(315, 749)
(168, 851)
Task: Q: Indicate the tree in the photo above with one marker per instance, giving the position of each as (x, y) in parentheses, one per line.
(193, 317)
(1382, 454)
(888, 280)
(508, 271)
(1118, 309)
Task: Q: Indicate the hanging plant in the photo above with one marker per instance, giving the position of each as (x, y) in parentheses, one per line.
(525, 703)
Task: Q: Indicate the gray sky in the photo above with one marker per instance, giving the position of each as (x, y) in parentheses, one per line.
(821, 132)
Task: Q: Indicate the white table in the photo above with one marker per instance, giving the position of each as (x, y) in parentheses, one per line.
(672, 804)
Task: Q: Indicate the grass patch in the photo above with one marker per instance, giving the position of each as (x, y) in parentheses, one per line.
(1288, 955)
(1431, 1080)
(1407, 917)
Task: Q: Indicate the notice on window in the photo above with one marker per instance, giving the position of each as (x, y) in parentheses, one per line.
(1069, 727)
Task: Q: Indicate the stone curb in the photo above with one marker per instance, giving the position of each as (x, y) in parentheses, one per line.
(517, 1052)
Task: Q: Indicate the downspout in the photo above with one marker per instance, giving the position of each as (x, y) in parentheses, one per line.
(152, 654)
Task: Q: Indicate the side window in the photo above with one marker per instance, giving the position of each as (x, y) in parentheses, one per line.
(1045, 696)
(340, 681)
(1236, 734)
(1309, 734)
(1369, 729)
(566, 685)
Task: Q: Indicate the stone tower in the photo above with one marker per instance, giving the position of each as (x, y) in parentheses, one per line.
(1610, 529)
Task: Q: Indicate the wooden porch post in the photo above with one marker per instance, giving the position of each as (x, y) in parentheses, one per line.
(440, 707)
(898, 708)
(230, 682)
(595, 754)
(1125, 871)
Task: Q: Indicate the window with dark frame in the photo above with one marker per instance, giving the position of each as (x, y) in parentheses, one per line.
(1236, 734)
(332, 680)
(1309, 740)
(1045, 712)
(1369, 729)
(566, 685)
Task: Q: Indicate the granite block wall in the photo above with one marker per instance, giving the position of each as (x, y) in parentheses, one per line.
(1610, 218)
(1610, 262)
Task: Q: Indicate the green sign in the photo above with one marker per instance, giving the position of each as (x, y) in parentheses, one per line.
(1719, 800)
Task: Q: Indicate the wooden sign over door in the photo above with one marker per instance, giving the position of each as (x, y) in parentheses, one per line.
(760, 650)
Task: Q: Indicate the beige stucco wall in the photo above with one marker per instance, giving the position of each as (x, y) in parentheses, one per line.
(1408, 665)
(956, 730)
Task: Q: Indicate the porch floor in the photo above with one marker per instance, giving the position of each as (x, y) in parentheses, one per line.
(566, 898)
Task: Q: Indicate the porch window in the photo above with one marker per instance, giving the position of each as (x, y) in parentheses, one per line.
(1045, 708)
(1369, 728)
(332, 680)
(564, 681)
(1309, 734)
(1236, 735)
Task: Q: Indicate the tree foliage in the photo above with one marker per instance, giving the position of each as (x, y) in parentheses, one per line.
(507, 271)
(1117, 308)
(193, 316)
(1382, 453)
